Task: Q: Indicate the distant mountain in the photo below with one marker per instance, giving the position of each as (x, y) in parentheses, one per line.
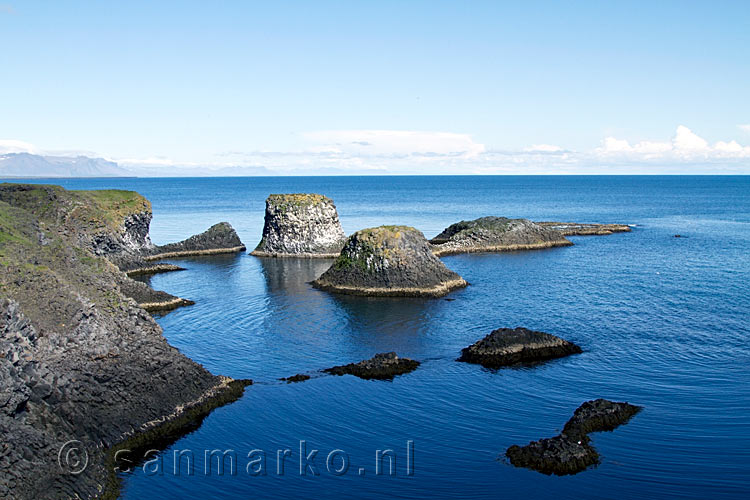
(29, 165)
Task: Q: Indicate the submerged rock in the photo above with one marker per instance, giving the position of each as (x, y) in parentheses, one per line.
(300, 377)
(389, 261)
(578, 229)
(383, 366)
(300, 225)
(506, 346)
(219, 238)
(495, 234)
(571, 452)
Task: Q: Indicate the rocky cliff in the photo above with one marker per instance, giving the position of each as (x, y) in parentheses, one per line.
(300, 225)
(495, 234)
(79, 360)
(389, 261)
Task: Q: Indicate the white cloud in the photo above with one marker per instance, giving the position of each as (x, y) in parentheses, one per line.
(686, 145)
(745, 128)
(15, 146)
(394, 143)
(543, 148)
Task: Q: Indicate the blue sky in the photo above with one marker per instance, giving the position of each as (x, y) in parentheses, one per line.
(403, 86)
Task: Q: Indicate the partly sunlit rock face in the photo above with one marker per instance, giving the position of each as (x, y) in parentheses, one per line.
(389, 261)
(300, 225)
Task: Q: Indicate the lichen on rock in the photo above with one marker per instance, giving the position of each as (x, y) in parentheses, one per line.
(300, 225)
(389, 261)
(495, 234)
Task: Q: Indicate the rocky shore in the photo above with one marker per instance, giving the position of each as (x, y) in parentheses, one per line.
(571, 451)
(383, 366)
(495, 234)
(578, 229)
(506, 346)
(389, 261)
(80, 361)
(300, 225)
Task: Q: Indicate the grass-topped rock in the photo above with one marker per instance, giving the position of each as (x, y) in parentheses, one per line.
(389, 261)
(509, 346)
(571, 451)
(495, 234)
(300, 225)
(383, 366)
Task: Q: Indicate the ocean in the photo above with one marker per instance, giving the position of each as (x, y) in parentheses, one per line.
(663, 323)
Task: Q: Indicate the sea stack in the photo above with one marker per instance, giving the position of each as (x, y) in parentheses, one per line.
(300, 225)
(219, 238)
(495, 234)
(392, 261)
(506, 346)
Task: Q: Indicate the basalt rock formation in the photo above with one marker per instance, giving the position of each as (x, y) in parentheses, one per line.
(578, 229)
(495, 234)
(300, 225)
(383, 366)
(300, 377)
(506, 346)
(219, 238)
(389, 261)
(79, 360)
(571, 451)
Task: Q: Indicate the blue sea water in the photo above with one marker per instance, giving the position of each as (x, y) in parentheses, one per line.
(663, 322)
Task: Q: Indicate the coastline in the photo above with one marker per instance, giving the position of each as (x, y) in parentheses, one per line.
(442, 252)
(434, 291)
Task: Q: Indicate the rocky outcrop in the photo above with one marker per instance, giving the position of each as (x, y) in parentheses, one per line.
(300, 225)
(79, 360)
(495, 234)
(571, 451)
(389, 261)
(219, 238)
(153, 301)
(506, 346)
(383, 366)
(578, 229)
(300, 377)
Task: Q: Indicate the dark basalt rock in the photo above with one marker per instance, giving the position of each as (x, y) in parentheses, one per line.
(300, 225)
(149, 299)
(506, 346)
(219, 238)
(599, 415)
(78, 359)
(571, 452)
(383, 366)
(495, 234)
(579, 229)
(558, 455)
(300, 377)
(389, 261)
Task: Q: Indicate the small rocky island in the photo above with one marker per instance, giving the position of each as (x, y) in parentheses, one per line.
(579, 229)
(389, 261)
(571, 451)
(509, 346)
(495, 234)
(383, 366)
(80, 360)
(300, 225)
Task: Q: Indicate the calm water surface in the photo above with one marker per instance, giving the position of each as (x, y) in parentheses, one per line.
(663, 322)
